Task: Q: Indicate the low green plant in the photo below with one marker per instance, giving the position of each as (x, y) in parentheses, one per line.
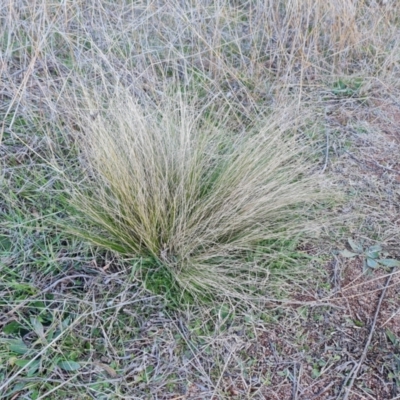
(347, 87)
(372, 256)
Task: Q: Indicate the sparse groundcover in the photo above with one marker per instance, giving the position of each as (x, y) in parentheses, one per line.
(187, 238)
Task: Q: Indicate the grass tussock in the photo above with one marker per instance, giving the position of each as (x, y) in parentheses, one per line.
(171, 185)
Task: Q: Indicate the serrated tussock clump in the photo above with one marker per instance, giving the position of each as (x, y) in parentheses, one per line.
(171, 184)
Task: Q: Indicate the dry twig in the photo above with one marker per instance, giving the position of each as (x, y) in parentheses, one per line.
(354, 372)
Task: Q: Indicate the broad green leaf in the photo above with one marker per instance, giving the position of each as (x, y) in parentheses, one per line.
(18, 388)
(375, 248)
(33, 368)
(372, 254)
(18, 346)
(392, 337)
(372, 263)
(50, 334)
(66, 322)
(22, 363)
(388, 262)
(38, 328)
(38, 304)
(34, 395)
(355, 246)
(69, 365)
(13, 327)
(315, 373)
(348, 254)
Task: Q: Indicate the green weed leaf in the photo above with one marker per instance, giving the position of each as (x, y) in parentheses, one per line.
(21, 363)
(33, 368)
(18, 346)
(315, 373)
(392, 337)
(388, 262)
(348, 254)
(372, 254)
(355, 246)
(13, 328)
(69, 365)
(37, 326)
(376, 248)
(372, 263)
